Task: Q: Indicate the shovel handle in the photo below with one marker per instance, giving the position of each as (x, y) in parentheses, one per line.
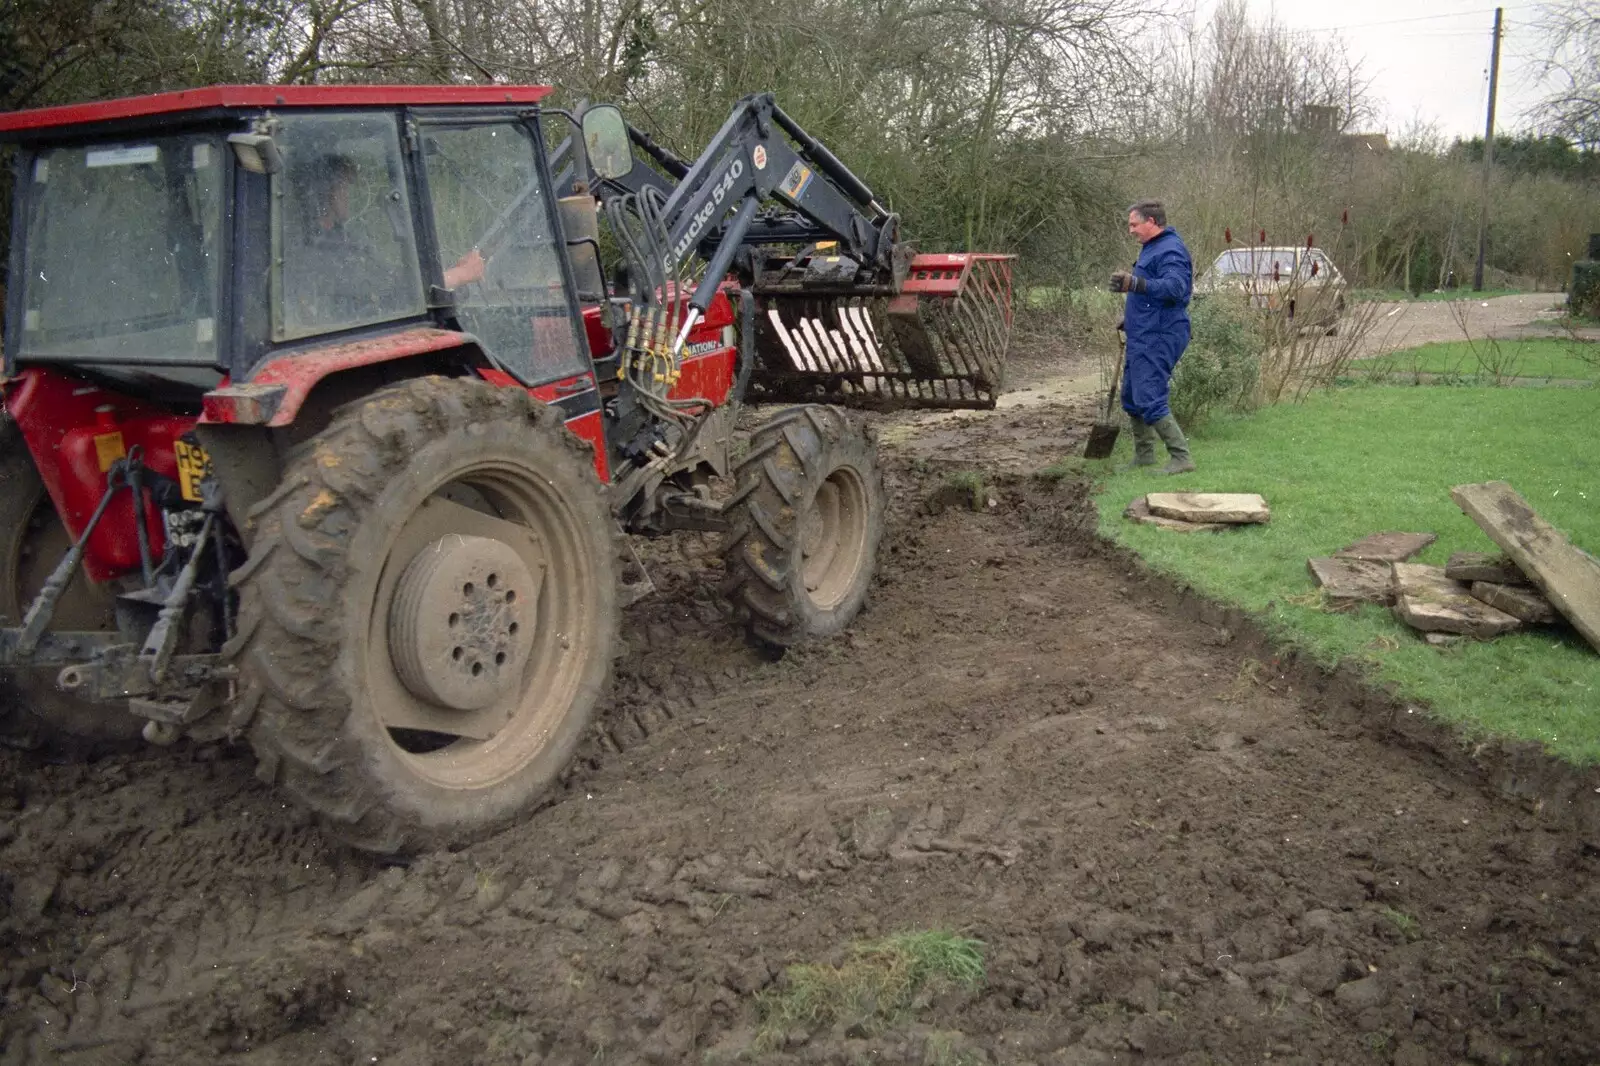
(1116, 377)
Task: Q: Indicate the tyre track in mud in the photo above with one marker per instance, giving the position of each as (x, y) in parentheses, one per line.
(1172, 851)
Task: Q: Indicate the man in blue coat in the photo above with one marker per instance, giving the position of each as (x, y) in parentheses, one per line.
(1156, 318)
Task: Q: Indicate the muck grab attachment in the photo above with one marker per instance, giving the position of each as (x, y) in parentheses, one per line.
(939, 342)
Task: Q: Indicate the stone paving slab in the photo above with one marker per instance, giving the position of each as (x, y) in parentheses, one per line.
(1493, 567)
(1390, 547)
(1427, 600)
(1348, 582)
(1567, 575)
(1519, 601)
(1139, 511)
(1233, 508)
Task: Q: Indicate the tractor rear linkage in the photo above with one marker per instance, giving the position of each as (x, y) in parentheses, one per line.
(157, 683)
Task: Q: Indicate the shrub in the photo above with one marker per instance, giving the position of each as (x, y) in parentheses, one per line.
(1220, 369)
(1583, 298)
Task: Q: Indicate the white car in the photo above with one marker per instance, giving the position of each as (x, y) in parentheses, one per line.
(1299, 283)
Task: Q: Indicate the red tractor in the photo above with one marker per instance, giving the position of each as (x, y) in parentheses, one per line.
(329, 410)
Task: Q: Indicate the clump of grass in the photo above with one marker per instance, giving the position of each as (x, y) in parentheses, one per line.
(964, 488)
(874, 987)
(948, 1049)
(967, 481)
(1409, 927)
(1070, 466)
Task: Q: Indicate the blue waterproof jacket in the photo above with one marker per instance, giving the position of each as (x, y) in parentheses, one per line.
(1157, 323)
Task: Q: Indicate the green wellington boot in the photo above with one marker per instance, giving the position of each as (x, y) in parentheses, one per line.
(1144, 445)
(1177, 447)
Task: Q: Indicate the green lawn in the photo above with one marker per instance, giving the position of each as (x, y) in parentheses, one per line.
(1354, 461)
(1545, 358)
(1402, 296)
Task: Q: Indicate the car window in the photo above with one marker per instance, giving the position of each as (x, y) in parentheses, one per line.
(1315, 265)
(1257, 262)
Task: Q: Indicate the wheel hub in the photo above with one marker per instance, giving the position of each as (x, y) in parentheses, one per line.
(460, 622)
(832, 542)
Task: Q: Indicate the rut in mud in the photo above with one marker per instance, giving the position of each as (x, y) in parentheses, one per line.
(1172, 848)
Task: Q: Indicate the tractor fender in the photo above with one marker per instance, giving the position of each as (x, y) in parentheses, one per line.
(276, 391)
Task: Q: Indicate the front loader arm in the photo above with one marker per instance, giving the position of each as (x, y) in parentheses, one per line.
(750, 161)
(762, 154)
(851, 316)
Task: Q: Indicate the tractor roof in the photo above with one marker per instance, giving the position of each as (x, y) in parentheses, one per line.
(19, 125)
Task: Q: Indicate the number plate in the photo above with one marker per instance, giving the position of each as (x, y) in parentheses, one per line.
(194, 466)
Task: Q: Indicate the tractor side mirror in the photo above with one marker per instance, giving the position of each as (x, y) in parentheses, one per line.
(605, 139)
(257, 152)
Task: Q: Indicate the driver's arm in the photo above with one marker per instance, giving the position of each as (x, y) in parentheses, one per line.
(467, 269)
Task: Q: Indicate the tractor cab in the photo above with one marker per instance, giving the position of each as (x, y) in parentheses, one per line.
(167, 242)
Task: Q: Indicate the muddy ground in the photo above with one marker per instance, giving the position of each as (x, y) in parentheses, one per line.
(1175, 847)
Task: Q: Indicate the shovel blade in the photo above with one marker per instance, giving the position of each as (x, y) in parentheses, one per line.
(1102, 439)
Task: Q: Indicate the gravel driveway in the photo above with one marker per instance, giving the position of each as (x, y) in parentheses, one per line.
(1406, 325)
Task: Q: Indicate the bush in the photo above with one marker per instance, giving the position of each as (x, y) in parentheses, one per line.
(1220, 369)
(1583, 298)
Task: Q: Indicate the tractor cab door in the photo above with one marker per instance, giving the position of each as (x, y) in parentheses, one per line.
(499, 247)
(344, 251)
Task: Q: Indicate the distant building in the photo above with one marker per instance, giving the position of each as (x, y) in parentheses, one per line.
(1321, 118)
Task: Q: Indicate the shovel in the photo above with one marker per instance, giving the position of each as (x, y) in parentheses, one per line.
(1103, 435)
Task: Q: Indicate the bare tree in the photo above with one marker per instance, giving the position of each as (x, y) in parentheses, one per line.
(1570, 36)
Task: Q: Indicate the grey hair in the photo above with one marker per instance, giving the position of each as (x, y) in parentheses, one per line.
(1151, 211)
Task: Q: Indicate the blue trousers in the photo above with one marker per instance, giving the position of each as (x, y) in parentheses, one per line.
(1147, 378)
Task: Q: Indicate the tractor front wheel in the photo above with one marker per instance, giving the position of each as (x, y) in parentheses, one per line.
(806, 520)
(428, 615)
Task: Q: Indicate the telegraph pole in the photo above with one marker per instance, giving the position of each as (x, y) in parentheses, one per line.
(1488, 154)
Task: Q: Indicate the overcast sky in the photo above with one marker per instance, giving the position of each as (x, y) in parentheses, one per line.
(1428, 59)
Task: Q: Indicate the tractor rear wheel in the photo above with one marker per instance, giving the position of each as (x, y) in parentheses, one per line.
(34, 713)
(806, 520)
(428, 615)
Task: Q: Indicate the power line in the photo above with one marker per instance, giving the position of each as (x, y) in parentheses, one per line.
(1392, 22)
(1477, 13)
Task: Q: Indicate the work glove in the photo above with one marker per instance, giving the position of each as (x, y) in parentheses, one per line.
(1122, 281)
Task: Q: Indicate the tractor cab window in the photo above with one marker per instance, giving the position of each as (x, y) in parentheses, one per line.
(344, 250)
(120, 252)
(498, 248)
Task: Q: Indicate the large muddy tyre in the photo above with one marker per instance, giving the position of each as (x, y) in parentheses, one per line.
(806, 520)
(34, 713)
(428, 614)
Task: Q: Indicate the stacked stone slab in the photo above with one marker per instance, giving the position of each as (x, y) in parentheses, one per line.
(1475, 595)
(1193, 511)
(1363, 572)
(1427, 600)
(1568, 576)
